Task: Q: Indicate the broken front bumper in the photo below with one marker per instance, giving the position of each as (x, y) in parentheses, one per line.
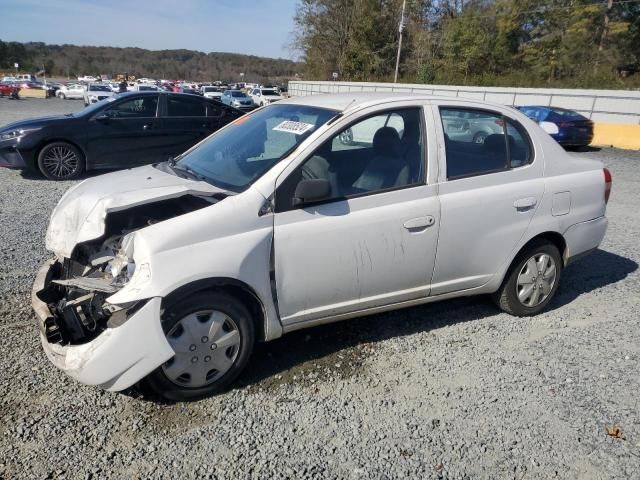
(119, 356)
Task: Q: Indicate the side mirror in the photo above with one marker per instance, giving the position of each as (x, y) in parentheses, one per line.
(549, 127)
(313, 190)
(103, 117)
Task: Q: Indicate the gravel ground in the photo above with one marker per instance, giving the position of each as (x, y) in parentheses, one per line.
(448, 390)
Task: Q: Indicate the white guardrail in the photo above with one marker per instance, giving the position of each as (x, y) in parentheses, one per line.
(601, 106)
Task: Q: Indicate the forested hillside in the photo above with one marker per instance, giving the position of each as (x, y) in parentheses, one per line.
(71, 60)
(570, 43)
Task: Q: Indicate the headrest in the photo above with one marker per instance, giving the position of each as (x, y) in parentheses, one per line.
(386, 140)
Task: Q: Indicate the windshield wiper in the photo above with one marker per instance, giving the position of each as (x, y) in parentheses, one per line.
(186, 171)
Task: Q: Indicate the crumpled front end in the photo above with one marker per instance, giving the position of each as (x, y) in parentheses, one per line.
(86, 330)
(94, 342)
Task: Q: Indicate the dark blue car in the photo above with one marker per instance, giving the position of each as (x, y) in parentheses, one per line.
(574, 130)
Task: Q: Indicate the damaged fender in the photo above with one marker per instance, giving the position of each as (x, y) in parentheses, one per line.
(80, 215)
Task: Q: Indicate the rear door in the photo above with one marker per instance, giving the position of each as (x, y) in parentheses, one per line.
(185, 122)
(489, 192)
(125, 133)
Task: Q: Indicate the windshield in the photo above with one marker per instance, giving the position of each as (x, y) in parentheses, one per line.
(239, 154)
(235, 93)
(94, 107)
(99, 88)
(269, 92)
(210, 89)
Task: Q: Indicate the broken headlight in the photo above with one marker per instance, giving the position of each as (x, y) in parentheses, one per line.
(122, 266)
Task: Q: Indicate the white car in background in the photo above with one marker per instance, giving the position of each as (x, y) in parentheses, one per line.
(265, 96)
(87, 79)
(96, 92)
(169, 274)
(146, 87)
(211, 92)
(71, 91)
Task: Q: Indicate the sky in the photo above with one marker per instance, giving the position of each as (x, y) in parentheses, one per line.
(256, 27)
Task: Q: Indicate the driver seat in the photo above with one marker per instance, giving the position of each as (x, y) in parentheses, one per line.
(387, 168)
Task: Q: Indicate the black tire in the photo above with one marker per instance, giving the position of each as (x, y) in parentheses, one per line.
(506, 298)
(70, 161)
(159, 383)
(62, 96)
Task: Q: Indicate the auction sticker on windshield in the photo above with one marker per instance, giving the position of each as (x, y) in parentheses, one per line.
(291, 126)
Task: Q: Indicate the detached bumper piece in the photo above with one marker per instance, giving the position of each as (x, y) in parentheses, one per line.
(114, 351)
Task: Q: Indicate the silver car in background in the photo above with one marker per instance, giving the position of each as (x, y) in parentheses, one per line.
(71, 91)
(96, 92)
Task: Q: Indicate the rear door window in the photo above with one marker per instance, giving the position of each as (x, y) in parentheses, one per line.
(482, 142)
(179, 106)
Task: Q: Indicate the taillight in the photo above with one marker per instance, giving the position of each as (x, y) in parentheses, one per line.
(607, 184)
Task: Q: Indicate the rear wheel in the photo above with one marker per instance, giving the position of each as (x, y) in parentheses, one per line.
(532, 280)
(61, 161)
(62, 96)
(212, 334)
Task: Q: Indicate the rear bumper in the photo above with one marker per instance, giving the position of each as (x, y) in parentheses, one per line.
(119, 356)
(574, 138)
(584, 237)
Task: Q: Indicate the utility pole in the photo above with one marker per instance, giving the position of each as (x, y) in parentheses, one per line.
(400, 30)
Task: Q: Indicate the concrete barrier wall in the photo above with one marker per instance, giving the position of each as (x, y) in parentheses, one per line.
(616, 113)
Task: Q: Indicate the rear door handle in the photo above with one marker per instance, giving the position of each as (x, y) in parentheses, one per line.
(525, 203)
(147, 126)
(420, 223)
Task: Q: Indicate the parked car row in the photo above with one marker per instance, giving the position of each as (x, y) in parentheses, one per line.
(169, 274)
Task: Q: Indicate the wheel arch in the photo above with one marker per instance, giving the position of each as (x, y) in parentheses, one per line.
(232, 286)
(43, 143)
(554, 238)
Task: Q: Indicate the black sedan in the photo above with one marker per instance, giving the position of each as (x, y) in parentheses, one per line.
(125, 130)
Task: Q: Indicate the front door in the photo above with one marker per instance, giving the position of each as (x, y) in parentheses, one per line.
(129, 136)
(372, 241)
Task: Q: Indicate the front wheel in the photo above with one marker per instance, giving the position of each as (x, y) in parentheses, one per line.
(61, 161)
(62, 96)
(532, 280)
(212, 334)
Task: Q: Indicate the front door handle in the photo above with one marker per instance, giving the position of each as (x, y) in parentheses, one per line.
(147, 126)
(525, 203)
(420, 223)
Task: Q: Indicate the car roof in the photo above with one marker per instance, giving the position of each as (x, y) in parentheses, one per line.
(344, 102)
(348, 101)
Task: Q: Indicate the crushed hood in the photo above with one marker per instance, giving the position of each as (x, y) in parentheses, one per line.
(80, 215)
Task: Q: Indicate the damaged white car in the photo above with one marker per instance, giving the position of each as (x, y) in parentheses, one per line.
(169, 274)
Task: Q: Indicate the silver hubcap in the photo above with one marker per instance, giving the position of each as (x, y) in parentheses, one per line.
(346, 137)
(61, 162)
(206, 345)
(536, 280)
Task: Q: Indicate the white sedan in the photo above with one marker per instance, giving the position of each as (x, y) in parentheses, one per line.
(169, 274)
(265, 96)
(71, 91)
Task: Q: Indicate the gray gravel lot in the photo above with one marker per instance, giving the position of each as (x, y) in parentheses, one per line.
(448, 390)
